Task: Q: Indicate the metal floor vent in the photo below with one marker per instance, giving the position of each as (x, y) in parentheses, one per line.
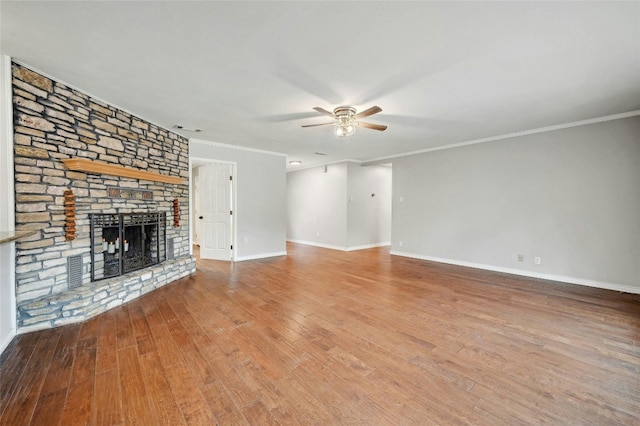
(74, 271)
(170, 249)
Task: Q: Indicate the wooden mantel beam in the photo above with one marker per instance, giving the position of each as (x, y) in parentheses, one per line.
(100, 168)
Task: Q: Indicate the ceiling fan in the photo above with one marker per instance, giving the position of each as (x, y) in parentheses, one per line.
(346, 118)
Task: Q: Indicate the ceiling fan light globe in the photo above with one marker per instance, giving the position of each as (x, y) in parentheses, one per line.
(344, 130)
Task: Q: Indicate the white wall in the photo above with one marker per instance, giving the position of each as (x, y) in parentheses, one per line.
(260, 197)
(7, 213)
(317, 206)
(369, 217)
(335, 208)
(7, 295)
(570, 197)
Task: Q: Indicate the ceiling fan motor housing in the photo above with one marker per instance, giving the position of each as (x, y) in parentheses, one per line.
(345, 119)
(344, 111)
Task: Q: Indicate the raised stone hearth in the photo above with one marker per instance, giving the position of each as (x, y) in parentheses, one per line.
(84, 302)
(52, 123)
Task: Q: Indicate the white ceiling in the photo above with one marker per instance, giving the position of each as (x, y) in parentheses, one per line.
(249, 73)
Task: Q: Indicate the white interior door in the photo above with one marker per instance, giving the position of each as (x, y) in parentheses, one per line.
(215, 212)
(196, 208)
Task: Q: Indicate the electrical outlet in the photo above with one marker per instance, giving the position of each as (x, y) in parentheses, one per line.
(521, 258)
(400, 243)
(246, 240)
(537, 260)
(317, 235)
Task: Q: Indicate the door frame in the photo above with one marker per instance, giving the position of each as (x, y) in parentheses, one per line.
(194, 163)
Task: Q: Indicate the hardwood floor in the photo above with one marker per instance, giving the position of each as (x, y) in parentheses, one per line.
(329, 337)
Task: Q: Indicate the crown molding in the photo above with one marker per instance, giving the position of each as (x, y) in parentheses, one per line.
(511, 135)
(297, 169)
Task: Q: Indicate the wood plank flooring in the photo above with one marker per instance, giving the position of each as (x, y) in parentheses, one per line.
(329, 337)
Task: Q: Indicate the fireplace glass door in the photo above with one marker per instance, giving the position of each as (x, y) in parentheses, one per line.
(126, 242)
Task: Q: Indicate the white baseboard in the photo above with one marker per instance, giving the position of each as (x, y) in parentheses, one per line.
(341, 248)
(313, 243)
(259, 256)
(561, 278)
(368, 246)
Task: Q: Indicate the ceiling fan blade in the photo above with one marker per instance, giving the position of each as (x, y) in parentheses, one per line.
(315, 125)
(379, 127)
(324, 111)
(367, 112)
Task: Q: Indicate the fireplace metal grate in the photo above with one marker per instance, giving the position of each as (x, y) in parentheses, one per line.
(74, 271)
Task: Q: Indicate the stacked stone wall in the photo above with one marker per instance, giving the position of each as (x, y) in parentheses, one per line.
(53, 122)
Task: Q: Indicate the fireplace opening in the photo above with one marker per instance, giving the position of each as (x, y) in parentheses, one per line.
(126, 242)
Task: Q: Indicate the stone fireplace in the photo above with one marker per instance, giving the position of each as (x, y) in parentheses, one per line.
(138, 175)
